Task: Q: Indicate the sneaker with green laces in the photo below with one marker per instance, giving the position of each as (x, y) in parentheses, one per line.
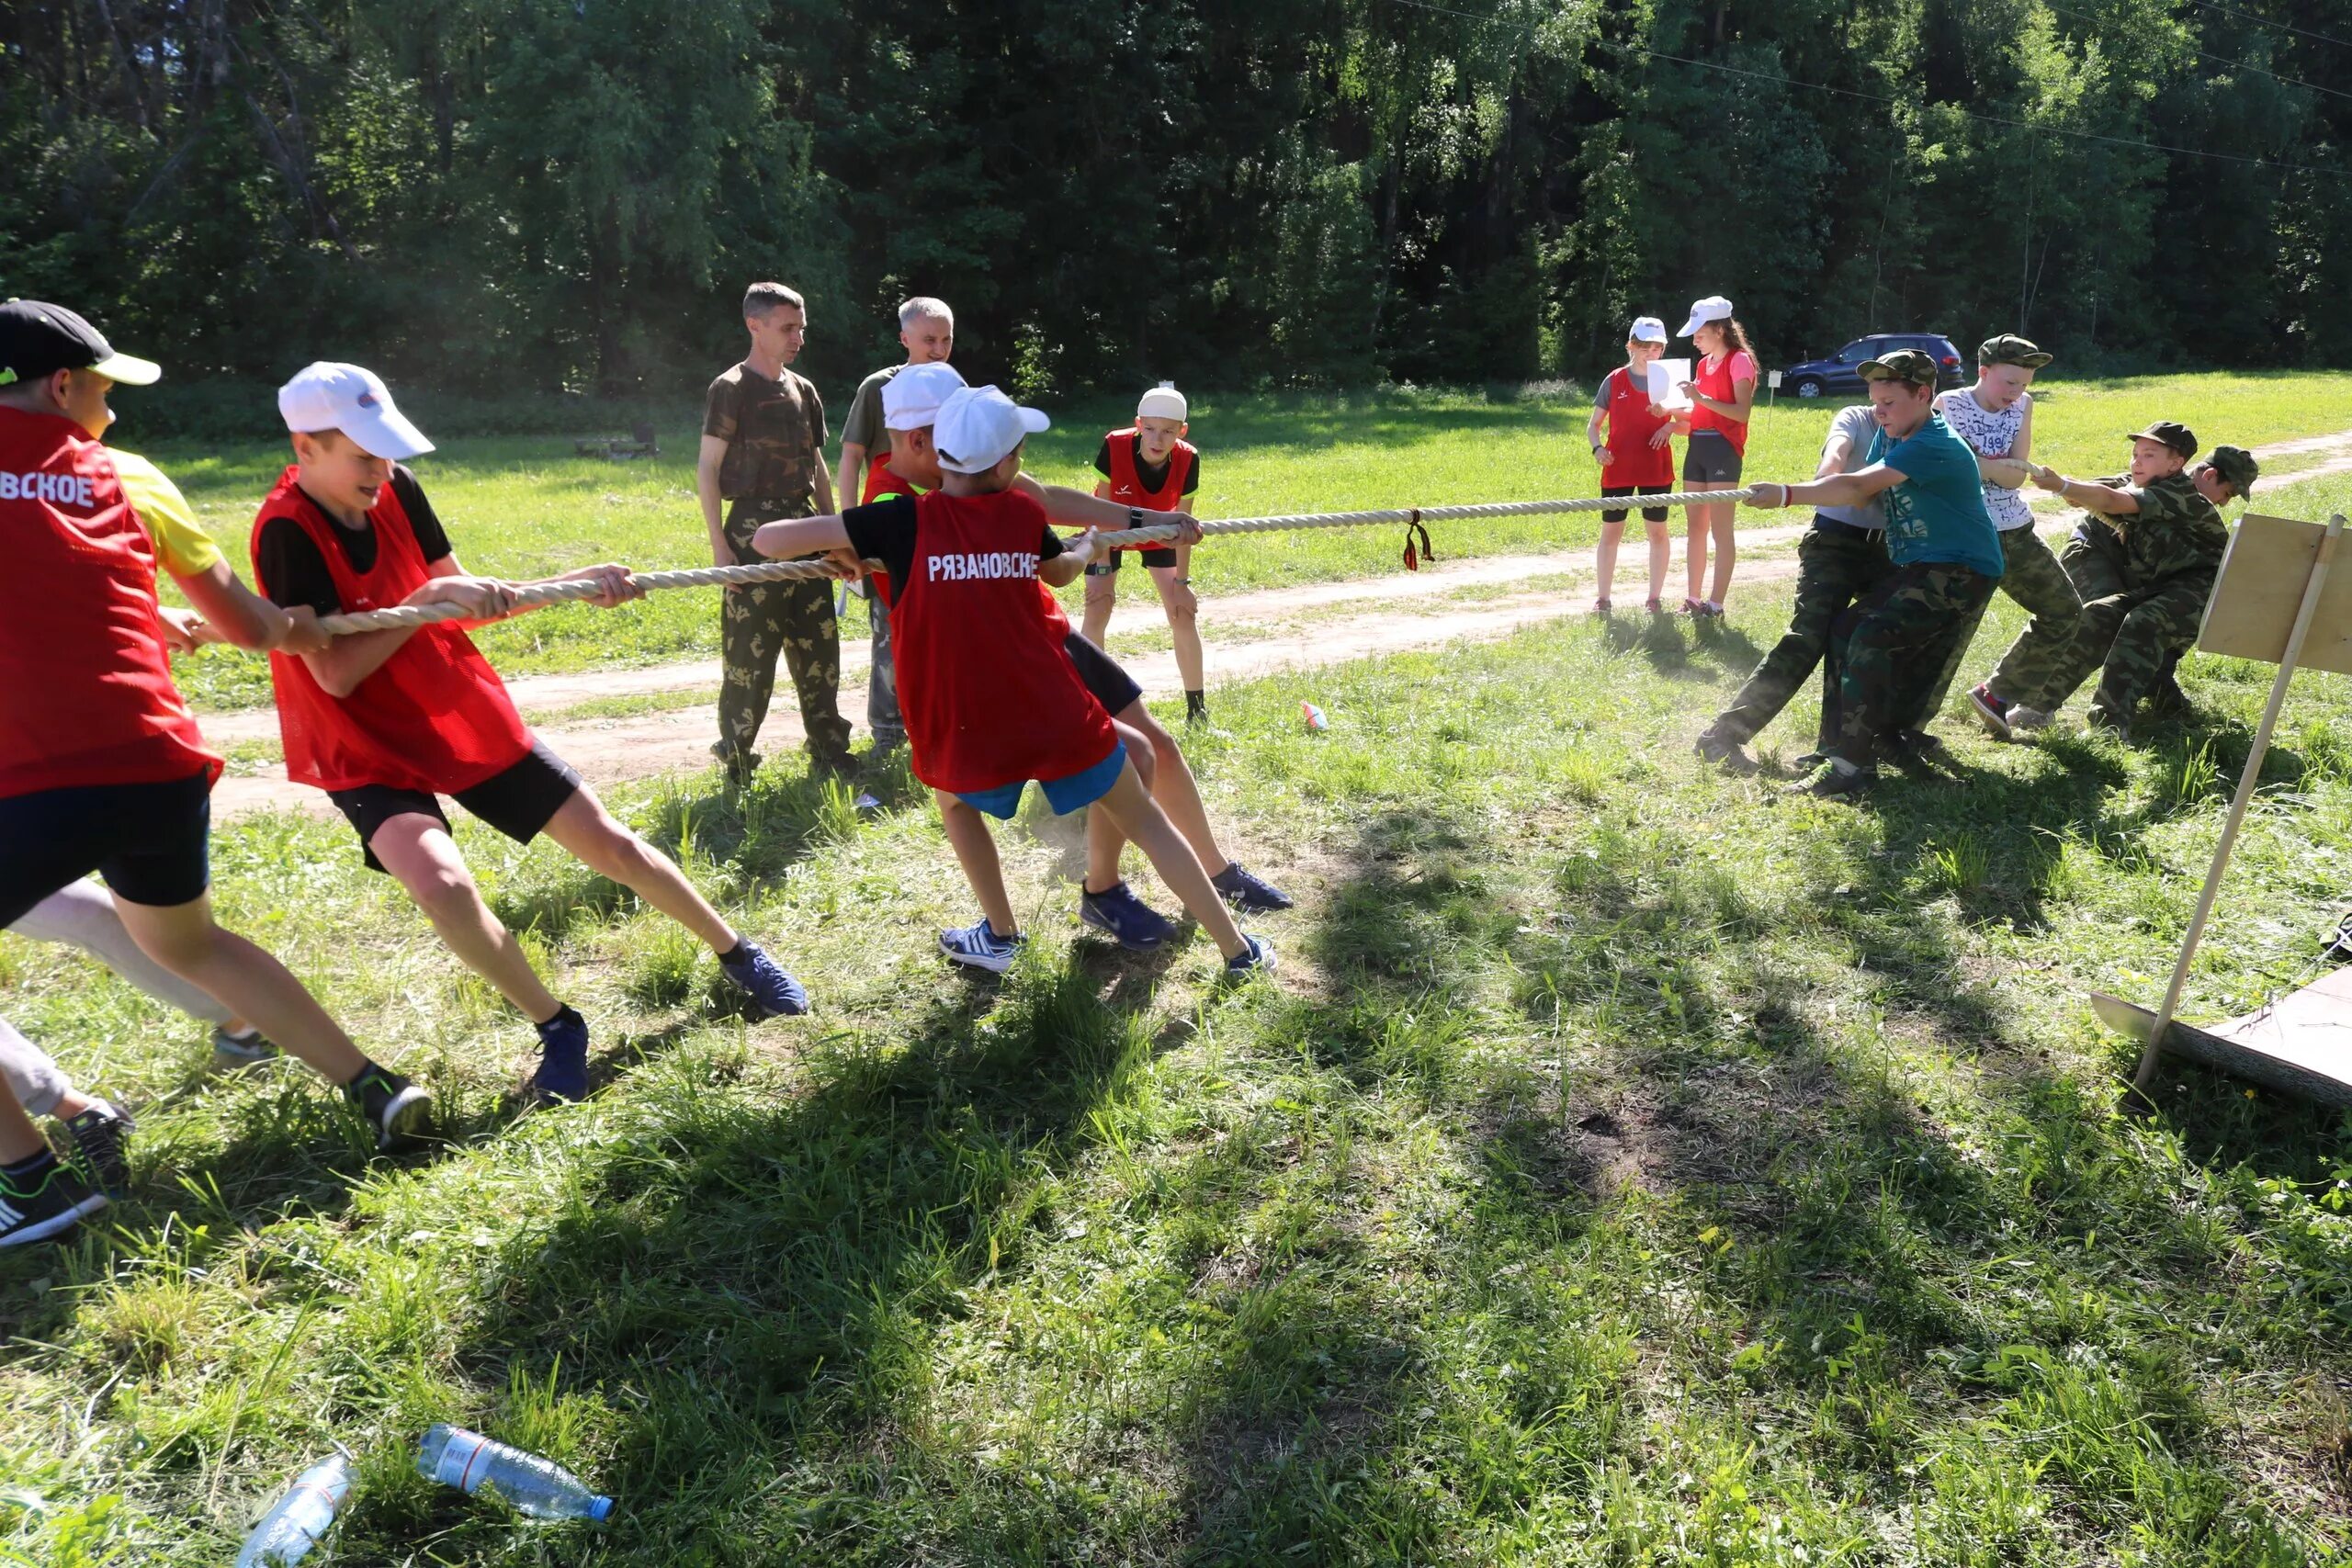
(41, 1198)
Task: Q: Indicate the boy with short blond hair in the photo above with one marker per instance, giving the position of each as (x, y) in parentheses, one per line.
(1150, 467)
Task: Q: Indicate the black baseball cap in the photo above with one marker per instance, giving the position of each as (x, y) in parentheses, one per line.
(2172, 433)
(38, 339)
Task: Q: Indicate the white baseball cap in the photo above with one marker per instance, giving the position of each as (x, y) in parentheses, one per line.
(1713, 308)
(911, 399)
(977, 426)
(1647, 328)
(1163, 402)
(328, 396)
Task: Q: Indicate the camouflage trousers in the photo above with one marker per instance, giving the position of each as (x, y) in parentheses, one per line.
(1903, 625)
(2130, 632)
(1835, 566)
(758, 623)
(2034, 578)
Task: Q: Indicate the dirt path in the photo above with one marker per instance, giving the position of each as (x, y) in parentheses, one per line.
(612, 750)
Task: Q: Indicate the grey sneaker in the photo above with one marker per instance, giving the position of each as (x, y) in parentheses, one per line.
(234, 1052)
(2024, 717)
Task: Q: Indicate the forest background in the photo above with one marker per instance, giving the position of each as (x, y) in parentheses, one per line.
(542, 205)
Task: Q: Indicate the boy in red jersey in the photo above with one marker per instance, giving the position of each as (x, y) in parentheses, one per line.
(387, 722)
(105, 770)
(990, 697)
(1150, 465)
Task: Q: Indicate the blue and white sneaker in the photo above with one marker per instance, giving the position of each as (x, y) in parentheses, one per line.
(774, 993)
(1133, 924)
(1257, 959)
(1251, 895)
(981, 948)
(563, 1057)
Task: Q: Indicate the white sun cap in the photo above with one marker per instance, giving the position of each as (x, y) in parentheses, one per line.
(328, 396)
(1713, 308)
(911, 399)
(976, 427)
(1163, 402)
(1647, 328)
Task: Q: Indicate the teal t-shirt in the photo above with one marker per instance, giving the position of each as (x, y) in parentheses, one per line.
(1937, 514)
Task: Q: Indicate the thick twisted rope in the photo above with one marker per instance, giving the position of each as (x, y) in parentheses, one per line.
(1158, 532)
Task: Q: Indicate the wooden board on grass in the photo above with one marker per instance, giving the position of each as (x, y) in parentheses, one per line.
(2300, 1045)
(2260, 585)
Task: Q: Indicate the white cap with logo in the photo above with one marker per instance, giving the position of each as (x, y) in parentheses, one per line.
(349, 398)
(1647, 328)
(1713, 308)
(911, 399)
(1163, 402)
(977, 427)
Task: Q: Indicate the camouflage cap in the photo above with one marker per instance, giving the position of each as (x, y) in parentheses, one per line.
(2011, 349)
(2172, 433)
(2237, 468)
(1901, 365)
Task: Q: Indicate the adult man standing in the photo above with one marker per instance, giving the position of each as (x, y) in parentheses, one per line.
(1946, 557)
(927, 329)
(2143, 560)
(763, 459)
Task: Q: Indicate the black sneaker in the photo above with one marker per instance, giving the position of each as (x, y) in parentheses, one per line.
(2339, 946)
(740, 765)
(46, 1200)
(1839, 783)
(98, 1135)
(400, 1112)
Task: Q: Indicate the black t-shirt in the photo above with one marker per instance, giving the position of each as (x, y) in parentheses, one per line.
(1152, 479)
(292, 572)
(885, 531)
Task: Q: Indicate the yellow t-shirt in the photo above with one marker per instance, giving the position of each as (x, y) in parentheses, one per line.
(182, 546)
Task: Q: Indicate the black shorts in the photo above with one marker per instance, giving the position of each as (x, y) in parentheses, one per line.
(1711, 460)
(1109, 565)
(1111, 685)
(518, 802)
(1649, 514)
(151, 841)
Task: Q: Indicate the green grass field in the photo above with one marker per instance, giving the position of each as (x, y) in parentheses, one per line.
(1630, 1167)
(527, 507)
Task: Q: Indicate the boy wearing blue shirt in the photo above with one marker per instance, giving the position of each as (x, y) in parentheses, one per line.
(1947, 558)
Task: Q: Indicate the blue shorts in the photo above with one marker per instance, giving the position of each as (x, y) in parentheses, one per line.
(1065, 795)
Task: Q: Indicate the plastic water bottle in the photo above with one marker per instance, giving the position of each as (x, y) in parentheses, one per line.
(539, 1487)
(295, 1521)
(1316, 718)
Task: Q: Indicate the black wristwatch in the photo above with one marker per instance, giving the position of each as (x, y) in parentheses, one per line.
(1134, 516)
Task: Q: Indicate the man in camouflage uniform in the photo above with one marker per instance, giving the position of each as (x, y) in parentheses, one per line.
(2227, 476)
(762, 460)
(2143, 560)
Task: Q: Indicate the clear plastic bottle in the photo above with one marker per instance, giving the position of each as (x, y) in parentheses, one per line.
(539, 1487)
(295, 1521)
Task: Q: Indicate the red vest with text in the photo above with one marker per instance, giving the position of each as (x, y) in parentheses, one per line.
(1715, 381)
(1126, 484)
(434, 716)
(85, 684)
(989, 696)
(1056, 618)
(1631, 424)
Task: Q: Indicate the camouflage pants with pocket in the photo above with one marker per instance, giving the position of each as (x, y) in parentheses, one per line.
(2035, 577)
(1905, 625)
(1835, 568)
(761, 621)
(2131, 632)
(2045, 650)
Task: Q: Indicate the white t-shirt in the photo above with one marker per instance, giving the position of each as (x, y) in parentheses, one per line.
(1991, 435)
(1857, 424)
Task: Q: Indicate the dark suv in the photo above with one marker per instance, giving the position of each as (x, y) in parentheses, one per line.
(1841, 372)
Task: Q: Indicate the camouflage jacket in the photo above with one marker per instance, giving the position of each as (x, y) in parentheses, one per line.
(775, 433)
(2176, 531)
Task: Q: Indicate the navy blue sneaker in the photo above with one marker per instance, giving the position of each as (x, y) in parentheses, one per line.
(1133, 924)
(563, 1057)
(1257, 959)
(1251, 895)
(981, 948)
(774, 993)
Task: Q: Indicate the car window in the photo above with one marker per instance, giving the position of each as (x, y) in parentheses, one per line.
(1855, 353)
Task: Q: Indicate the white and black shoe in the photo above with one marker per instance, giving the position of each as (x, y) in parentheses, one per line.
(44, 1201)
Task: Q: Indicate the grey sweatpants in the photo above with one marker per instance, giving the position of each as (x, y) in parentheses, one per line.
(82, 915)
(33, 1075)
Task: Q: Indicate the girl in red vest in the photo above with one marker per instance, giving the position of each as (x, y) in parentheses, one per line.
(387, 722)
(1723, 394)
(1630, 435)
(990, 697)
(1150, 465)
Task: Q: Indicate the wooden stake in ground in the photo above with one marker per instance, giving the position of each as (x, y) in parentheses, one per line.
(2233, 606)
